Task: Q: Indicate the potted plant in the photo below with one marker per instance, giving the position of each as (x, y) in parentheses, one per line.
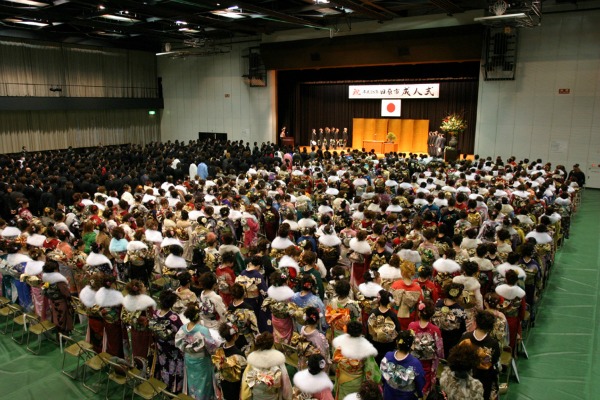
(453, 125)
(391, 137)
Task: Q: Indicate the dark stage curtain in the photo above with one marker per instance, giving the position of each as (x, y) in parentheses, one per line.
(303, 106)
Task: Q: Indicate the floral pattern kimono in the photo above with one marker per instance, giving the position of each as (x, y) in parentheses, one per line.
(196, 345)
(338, 313)
(278, 302)
(355, 361)
(428, 347)
(402, 379)
(266, 377)
(229, 364)
(169, 359)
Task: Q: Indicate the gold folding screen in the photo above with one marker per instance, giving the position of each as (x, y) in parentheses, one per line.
(411, 134)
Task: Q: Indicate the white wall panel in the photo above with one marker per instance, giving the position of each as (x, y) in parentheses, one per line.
(562, 128)
(195, 91)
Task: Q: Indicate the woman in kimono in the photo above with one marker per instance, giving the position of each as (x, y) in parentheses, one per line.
(229, 362)
(407, 294)
(341, 309)
(169, 359)
(110, 302)
(138, 307)
(428, 345)
(354, 359)
(87, 296)
(279, 296)
(311, 332)
(402, 374)
(457, 380)
(450, 317)
(306, 298)
(56, 289)
(184, 294)
(266, 377)
(513, 306)
(196, 343)
(256, 289)
(212, 308)
(359, 257)
(383, 326)
(313, 382)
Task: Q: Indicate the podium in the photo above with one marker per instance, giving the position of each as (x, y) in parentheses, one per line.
(287, 141)
(376, 145)
(389, 147)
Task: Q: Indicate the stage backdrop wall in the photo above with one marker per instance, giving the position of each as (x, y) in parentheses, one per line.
(313, 99)
(411, 134)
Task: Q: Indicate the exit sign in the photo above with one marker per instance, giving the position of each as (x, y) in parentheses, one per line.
(564, 91)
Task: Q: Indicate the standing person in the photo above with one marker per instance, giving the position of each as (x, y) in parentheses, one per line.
(169, 359)
(354, 357)
(196, 343)
(255, 285)
(138, 307)
(450, 317)
(428, 346)
(212, 308)
(488, 352)
(407, 294)
(95, 329)
(513, 306)
(266, 377)
(278, 298)
(402, 374)
(383, 326)
(56, 289)
(313, 382)
(457, 380)
(306, 297)
(311, 332)
(359, 257)
(110, 302)
(226, 277)
(229, 362)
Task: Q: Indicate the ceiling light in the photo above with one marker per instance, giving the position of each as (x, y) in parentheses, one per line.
(24, 22)
(227, 13)
(321, 1)
(232, 8)
(189, 30)
(29, 3)
(101, 7)
(119, 18)
(180, 22)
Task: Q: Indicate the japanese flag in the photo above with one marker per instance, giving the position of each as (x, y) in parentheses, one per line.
(390, 108)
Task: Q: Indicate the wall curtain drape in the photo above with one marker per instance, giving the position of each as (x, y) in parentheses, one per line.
(47, 130)
(33, 68)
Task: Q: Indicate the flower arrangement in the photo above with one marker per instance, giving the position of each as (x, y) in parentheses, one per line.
(391, 137)
(453, 123)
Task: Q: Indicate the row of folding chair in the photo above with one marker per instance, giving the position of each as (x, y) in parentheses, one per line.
(23, 326)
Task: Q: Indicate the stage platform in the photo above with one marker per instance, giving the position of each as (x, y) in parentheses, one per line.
(379, 155)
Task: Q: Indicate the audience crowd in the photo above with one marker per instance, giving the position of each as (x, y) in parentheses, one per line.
(259, 272)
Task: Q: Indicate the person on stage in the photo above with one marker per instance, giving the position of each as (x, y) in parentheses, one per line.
(321, 138)
(345, 137)
(313, 137)
(333, 139)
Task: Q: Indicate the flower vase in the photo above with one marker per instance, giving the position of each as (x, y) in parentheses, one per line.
(453, 142)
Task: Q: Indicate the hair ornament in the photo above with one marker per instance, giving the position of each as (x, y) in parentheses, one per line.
(421, 306)
(322, 364)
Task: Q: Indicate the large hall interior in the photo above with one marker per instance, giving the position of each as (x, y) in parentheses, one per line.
(81, 76)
